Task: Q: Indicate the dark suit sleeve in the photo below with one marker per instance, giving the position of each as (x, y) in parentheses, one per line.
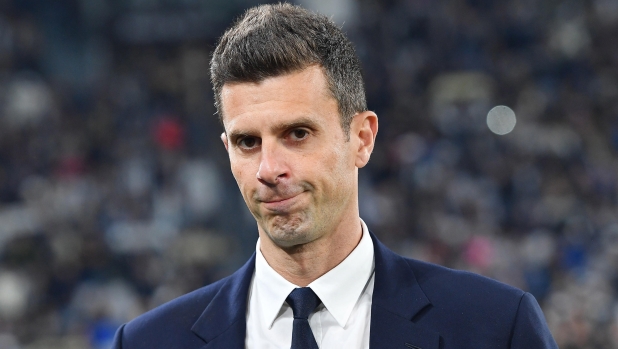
(118, 338)
(530, 329)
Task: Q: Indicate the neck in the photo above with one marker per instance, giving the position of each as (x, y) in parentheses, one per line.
(303, 264)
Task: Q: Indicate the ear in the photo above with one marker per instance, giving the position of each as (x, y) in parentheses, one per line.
(224, 140)
(364, 128)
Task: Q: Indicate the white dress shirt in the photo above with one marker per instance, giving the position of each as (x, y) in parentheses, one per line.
(343, 319)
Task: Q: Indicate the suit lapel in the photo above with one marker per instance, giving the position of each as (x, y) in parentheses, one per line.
(223, 322)
(397, 298)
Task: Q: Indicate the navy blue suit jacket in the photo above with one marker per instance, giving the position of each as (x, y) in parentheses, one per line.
(415, 305)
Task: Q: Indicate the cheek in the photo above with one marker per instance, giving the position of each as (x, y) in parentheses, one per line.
(237, 173)
(342, 162)
(241, 173)
(335, 169)
(239, 166)
(241, 179)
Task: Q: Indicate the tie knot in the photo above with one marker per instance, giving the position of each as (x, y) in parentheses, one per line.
(303, 301)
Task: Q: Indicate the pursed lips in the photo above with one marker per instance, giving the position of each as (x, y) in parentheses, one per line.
(270, 201)
(278, 203)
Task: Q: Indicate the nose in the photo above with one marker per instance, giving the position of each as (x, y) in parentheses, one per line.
(272, 165)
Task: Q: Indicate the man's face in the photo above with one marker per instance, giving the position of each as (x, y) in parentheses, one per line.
(295, 168)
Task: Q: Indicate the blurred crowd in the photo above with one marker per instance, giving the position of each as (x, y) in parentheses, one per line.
(116, 194)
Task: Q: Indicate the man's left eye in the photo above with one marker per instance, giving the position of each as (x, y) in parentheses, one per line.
(299, 134)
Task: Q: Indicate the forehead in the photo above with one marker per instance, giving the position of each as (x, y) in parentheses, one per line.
(301, 93)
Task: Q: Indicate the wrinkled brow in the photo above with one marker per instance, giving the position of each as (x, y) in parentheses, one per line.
(277, 128)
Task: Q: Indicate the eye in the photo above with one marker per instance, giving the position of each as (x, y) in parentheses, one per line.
(299, 134)
(248, 142)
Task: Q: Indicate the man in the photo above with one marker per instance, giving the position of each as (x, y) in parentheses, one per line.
(289, 93)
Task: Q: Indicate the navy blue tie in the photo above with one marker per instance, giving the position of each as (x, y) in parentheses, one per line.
(303, 302)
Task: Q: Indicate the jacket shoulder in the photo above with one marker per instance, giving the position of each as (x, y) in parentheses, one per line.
(433, 275)
(480, 312)
(175, 317)
(467, 307)
(464, 289)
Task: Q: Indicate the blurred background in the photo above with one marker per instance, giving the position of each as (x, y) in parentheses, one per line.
(116, 194)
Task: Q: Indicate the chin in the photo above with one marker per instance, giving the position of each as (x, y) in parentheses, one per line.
(290, 232)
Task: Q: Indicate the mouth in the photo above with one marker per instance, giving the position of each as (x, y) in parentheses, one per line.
(280, 204)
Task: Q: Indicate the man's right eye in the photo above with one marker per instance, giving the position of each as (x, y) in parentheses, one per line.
(248, 142)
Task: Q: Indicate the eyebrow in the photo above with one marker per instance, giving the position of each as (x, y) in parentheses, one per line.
(300, 122)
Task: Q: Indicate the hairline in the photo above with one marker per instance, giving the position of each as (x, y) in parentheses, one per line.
(344, 121)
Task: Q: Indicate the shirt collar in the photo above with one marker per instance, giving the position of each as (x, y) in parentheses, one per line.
(339, 289)
(273, 288)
